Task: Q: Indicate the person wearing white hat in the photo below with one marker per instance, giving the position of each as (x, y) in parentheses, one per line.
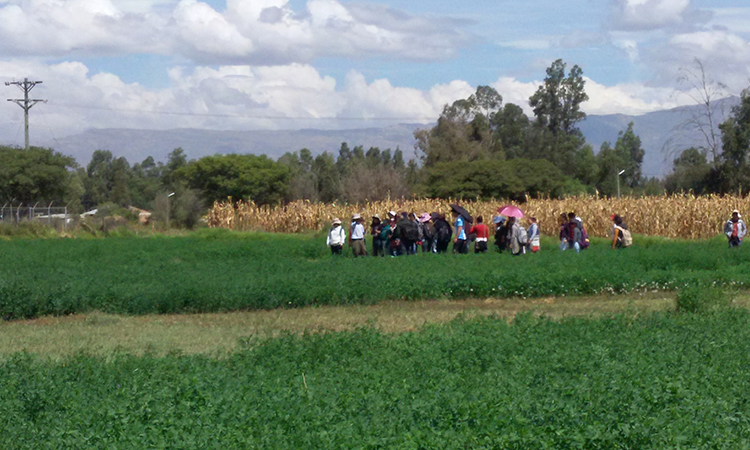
(357, 236)
(336, 237)
(735, 229)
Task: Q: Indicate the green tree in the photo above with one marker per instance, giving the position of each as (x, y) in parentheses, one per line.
(34, 175)
(246, 177)
(628, 146)
(733, 172)
(557, 103)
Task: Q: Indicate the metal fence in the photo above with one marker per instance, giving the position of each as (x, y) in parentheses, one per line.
(57, 216)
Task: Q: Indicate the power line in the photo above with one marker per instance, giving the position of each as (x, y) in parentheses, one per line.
(241, 116)
(25, 103)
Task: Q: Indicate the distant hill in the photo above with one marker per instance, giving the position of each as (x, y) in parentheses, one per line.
(655, 130)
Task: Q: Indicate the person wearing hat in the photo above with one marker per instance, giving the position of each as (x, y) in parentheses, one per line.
(357, 236)
(735, 229)
(336, 237)
(426, 232)
(376, 231)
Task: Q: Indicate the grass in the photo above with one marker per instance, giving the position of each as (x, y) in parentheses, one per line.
(219, 334)
(657, 381)
(217, 270)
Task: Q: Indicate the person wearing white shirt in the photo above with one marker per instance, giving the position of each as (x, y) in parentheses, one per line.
(336, 237)
(357, 237)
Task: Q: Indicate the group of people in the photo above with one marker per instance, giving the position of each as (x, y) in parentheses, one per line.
(407, 234)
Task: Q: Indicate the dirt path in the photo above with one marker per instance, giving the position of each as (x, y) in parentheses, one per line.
(216, 334)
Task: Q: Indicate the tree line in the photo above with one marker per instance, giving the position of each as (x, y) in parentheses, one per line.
(479, 147)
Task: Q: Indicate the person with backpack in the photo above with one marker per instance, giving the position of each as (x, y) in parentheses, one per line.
(621, 237)
(735, 229)
(517, 237)
(408, 234)
(336, 237)
(442, 232)
(482, 234)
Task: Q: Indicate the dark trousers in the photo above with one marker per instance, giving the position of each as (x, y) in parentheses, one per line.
(377, 247)
(480, 247)
(461, 246)
(441, 247)
(336, 249)
(734, 241)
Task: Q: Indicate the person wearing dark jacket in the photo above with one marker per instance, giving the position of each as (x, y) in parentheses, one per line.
(442, 234)
(618, 236)
(501, 233)
(376, 229)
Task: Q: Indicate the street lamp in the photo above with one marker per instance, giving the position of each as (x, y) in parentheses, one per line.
(168, 202)
(618, 182)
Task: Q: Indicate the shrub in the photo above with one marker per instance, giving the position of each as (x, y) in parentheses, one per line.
(698, 299)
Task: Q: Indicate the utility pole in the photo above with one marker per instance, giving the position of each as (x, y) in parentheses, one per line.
(26, 86)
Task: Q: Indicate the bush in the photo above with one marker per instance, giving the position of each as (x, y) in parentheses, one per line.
(699, 299)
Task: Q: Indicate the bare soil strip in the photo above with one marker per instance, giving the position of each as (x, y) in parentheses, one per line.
(218, 334)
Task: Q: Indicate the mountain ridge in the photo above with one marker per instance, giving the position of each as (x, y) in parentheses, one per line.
(659, 133)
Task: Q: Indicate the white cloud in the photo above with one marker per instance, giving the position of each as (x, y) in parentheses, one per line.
(247, 32)
(725, 56)
(654, 14)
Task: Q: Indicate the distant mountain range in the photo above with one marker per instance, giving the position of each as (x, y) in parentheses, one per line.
(659, 132)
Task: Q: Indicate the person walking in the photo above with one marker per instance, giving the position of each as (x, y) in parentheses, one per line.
(376, 229)
(425, 231)
(336, 237)
(735, 229)
(517, 238)
(482, 233)
(442, 233)
(357, 236)
(570, 234)
(501, 233)
(459, 241)
(533, 236)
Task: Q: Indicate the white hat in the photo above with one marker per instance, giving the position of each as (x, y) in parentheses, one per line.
(337, 221)
(392, 213)
(356, 217)
(737, 212)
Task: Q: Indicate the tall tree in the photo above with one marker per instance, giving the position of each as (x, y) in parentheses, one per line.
(734, 170)
(557, 103)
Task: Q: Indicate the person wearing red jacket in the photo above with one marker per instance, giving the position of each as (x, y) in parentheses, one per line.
(482, 233)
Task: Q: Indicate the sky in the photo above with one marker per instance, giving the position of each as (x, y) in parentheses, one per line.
(333, 64)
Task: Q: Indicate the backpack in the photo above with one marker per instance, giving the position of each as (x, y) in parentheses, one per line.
(523, 236)
(444, 234)
(627, 238)
(584, 237)
(409, 230)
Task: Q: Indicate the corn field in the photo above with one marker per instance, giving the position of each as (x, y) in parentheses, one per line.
(679, 216)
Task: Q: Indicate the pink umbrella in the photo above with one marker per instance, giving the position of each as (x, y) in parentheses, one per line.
(510, 211)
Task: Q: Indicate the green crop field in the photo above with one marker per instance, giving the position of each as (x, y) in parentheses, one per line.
(661, 381)
(217, 270)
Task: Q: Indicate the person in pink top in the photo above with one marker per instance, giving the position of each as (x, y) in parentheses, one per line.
(482, 233)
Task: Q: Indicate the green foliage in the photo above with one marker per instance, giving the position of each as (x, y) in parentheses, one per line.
(34, 175)
(662, 381)
(218, 271)
(690, 173)
(557, 103)
(699, 299)
(247, 177)
(495, 179)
